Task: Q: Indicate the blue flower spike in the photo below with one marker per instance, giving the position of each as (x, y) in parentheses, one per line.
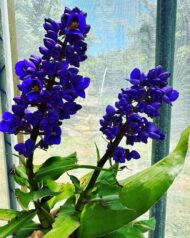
(142, 100)
(50, 84)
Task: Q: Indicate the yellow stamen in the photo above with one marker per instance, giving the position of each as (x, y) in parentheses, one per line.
(74, 25)
(36, 88)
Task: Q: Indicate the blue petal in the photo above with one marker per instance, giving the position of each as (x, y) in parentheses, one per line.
(86, 82)
(110, 110)
(31, 96)
(135, 154)
(173, 95)
(30, 145)
(7, 115)
(4, 127)
(135, 74)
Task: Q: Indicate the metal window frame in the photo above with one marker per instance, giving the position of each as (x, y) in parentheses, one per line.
(165, 47)
(8, 86)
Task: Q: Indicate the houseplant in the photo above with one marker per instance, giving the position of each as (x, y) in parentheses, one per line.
(96, 205)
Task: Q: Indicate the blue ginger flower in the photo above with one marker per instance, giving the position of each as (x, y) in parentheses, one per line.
(50, 84)
(128, 118)
(26, 148)
(11, 123)
(25, 68)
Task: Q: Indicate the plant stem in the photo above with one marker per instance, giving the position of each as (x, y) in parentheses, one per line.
(34, 186)
(106, 156)
(29, 162)
(96, 173)
(100, 164)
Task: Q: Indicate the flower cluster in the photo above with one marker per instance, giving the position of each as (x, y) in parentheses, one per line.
(50, 84)
(144, 97)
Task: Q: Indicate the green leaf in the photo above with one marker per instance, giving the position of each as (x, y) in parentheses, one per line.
(76, 184)
(37, 167)
(85, 180)
(21, 181)
(20, 170)
(128, 231)
(25, 198)
(94, 213)
(97, 152)
(108, 175)
(7, 214)
(54, 167)
(140, 193)
(20, 175)
(66, 222)
(107, 183)
(16, 223)
(26, 230)
(65, 191)
(21, 159)
(145, 225)
(104, 188)
(133, 229)
(143, 190)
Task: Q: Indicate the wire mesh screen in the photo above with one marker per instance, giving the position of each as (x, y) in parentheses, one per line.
(179, 194)
(122, 37)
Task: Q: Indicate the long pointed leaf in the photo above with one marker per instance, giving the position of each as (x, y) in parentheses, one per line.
(133, 230)
(7, 214)
(97, 152)
(25, 198)
(140, 192)
(54, 167)
(66, 222)
(26, 230)
(15, 224)
(65, 191)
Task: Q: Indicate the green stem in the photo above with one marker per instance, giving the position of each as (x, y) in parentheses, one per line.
(46, 223)
(29, 163)
(106, 156)
(89, 167)
(101, 163)
(109, 153)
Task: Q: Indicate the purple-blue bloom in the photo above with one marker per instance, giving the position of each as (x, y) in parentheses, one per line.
(10, 123)
(26, 148)
(129, 116)
(50, 84)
